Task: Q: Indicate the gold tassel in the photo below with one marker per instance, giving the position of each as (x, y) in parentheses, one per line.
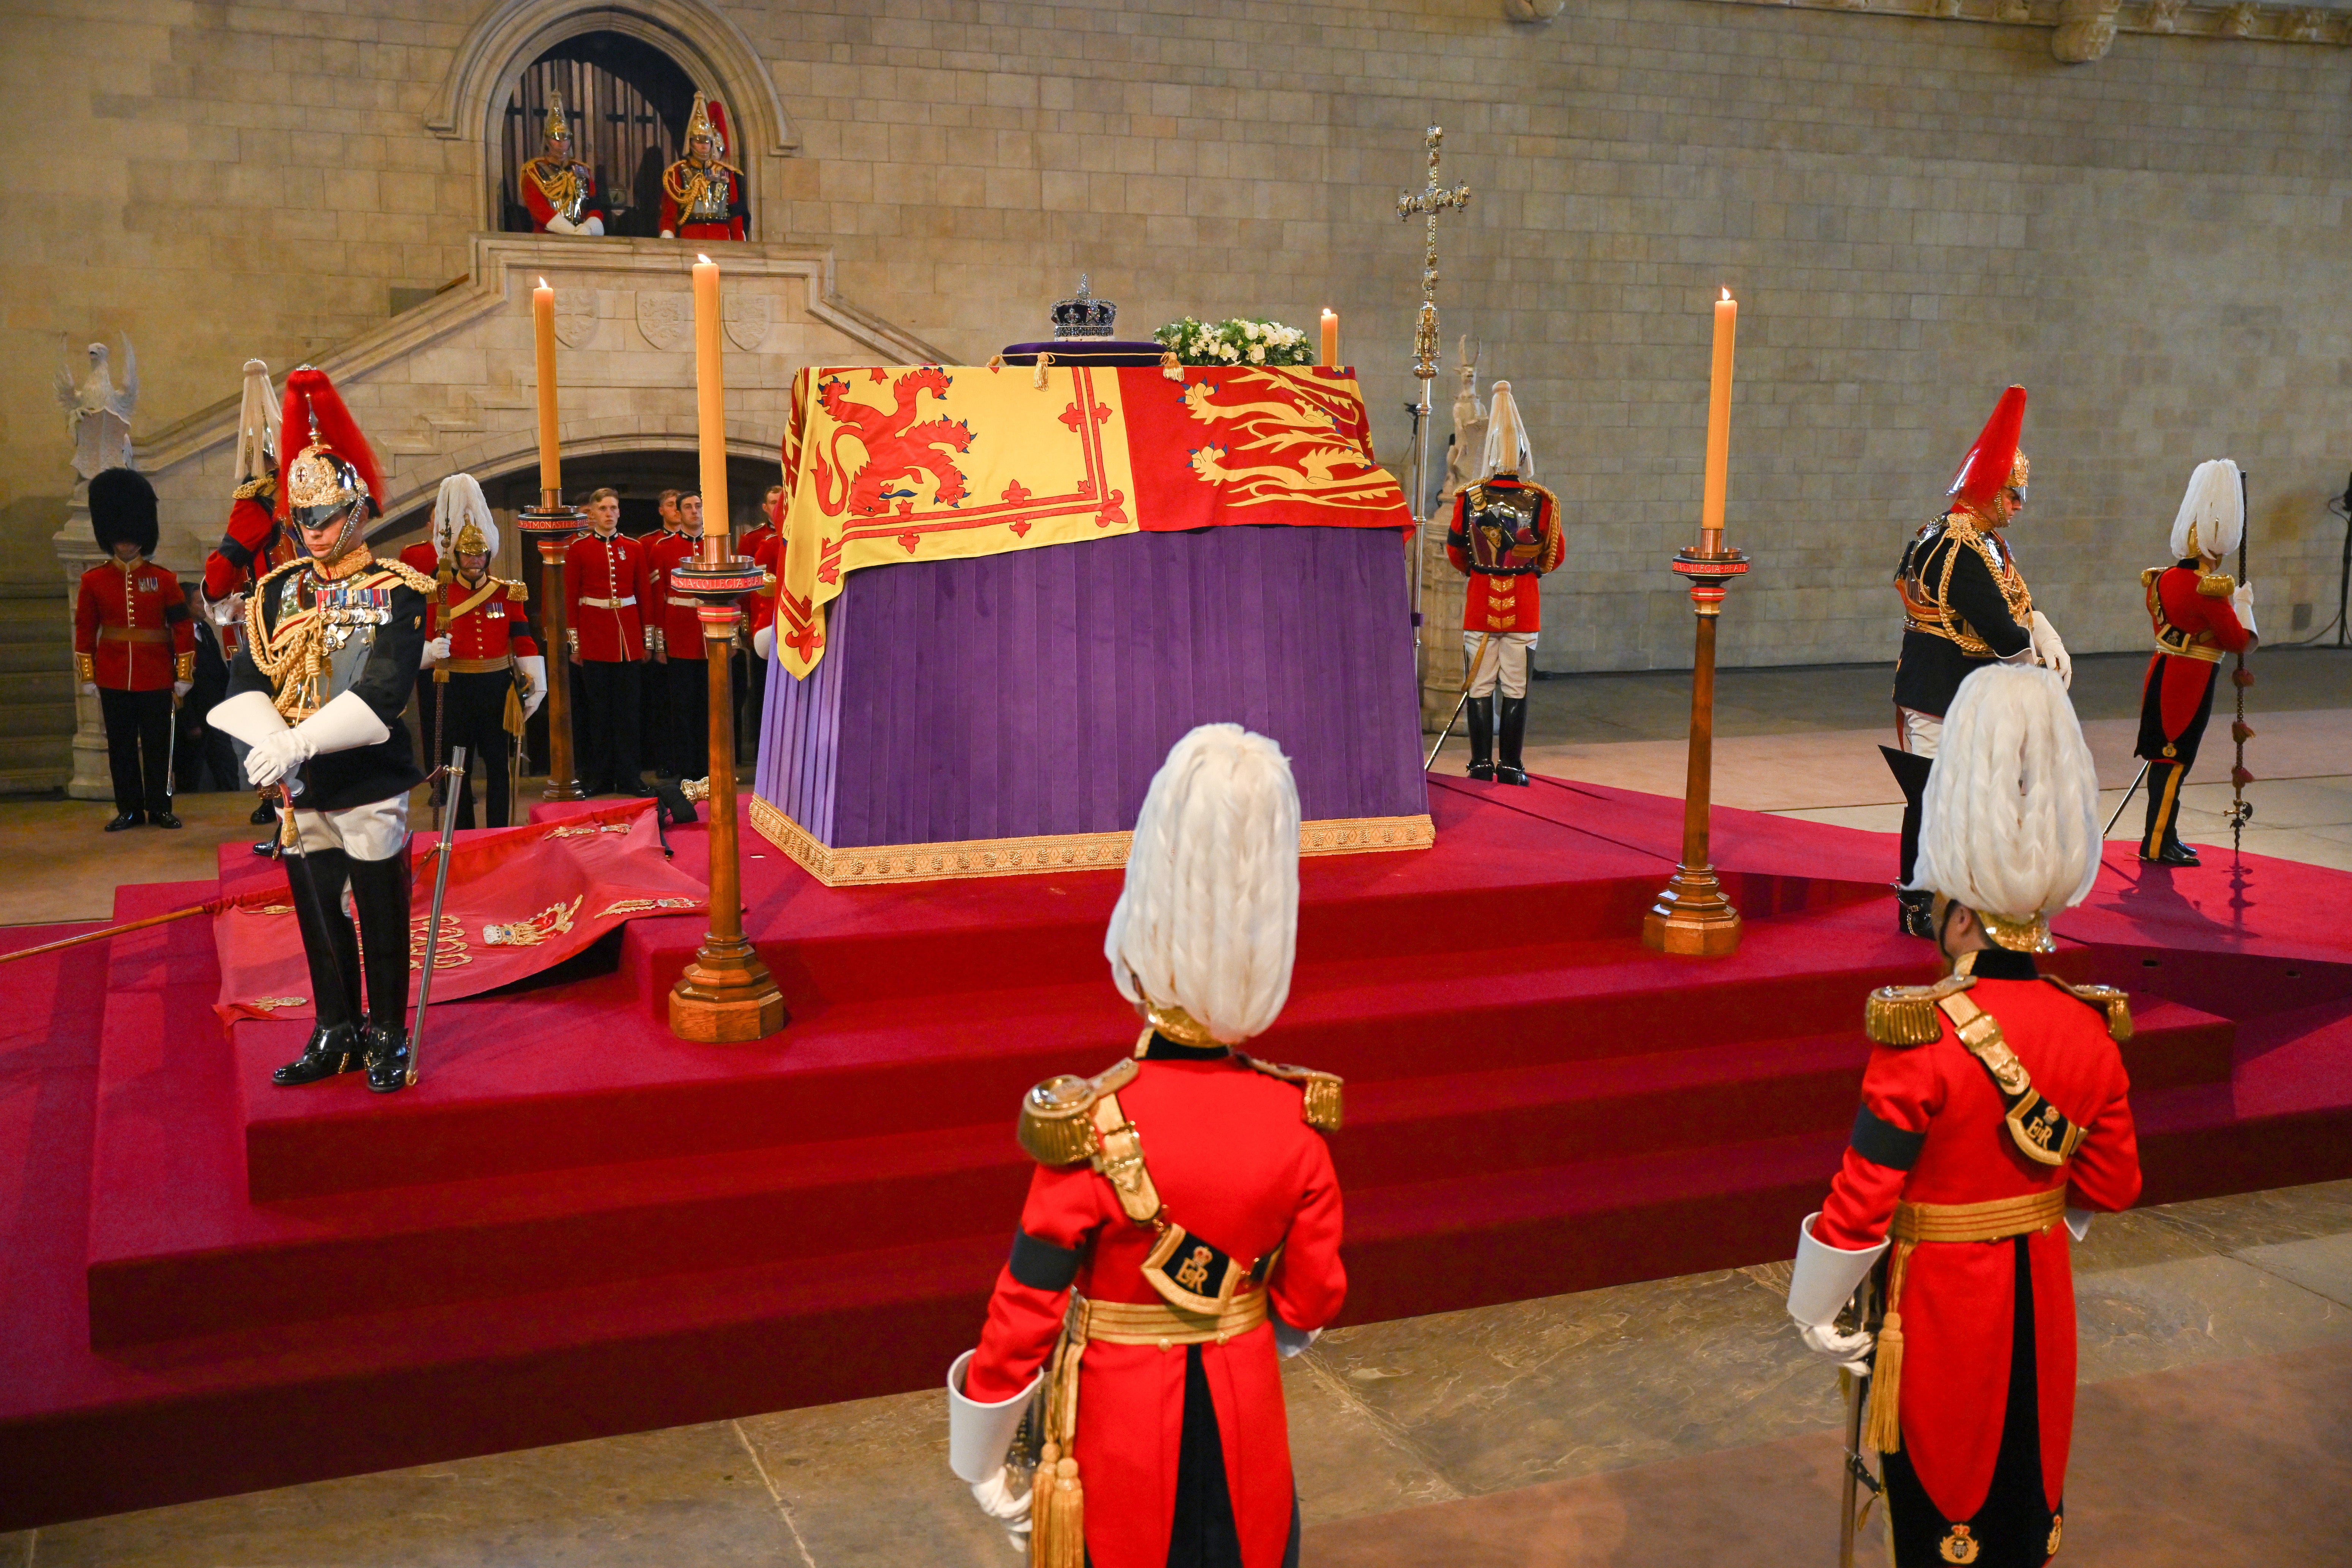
(1884, 1428)
(1045, 360)
(1058, 1513)
(1884, 1431)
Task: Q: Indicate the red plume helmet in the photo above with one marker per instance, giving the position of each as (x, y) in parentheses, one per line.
(315, 420)
(720, 139)
(1984, 471)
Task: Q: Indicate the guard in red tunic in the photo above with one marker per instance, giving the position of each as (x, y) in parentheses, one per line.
(558, 189)
(480, 654)
(702, 193)
(1181, 1231)
(2199, 615)
(760, 609)
(607, 588)
(254, 542)
(1989, 1097)
(1506, 535)
(134, 646)
(681, 746)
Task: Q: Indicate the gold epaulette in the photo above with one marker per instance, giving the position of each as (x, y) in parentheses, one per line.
(1905, 1014)
(516, 593)
(2215, 586)
(1320, 1091)
(2108, 1000)
(409, 575)
(1057, 1124)
(253, 489)
(2148, 574)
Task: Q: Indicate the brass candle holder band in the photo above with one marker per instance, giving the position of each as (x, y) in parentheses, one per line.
(1692, 917)
(726, 994)
(552, 526)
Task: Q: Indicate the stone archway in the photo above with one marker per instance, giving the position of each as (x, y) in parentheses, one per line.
(703, 41)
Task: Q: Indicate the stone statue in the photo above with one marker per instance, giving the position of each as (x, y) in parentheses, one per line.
(1469, 428)
(98, 416)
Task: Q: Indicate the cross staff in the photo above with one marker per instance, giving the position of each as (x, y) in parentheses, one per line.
(1432, 199)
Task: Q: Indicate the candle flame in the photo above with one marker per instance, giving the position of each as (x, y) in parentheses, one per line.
(1727, 293)
(704, 260)
(542, 282)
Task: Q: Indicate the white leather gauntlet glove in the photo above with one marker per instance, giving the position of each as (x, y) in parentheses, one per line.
(436, 651)
(2050, 651)
(559, 223)
(534, 669)
(1850, 1350)
(593, 227)
(2242, 602)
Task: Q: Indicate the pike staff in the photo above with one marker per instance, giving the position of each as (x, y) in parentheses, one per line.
(456, 772)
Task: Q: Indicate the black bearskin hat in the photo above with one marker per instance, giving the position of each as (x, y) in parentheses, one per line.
(123, 511)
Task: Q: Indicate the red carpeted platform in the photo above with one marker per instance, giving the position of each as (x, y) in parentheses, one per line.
(577, 1225)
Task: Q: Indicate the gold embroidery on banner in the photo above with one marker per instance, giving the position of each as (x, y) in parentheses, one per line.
(861, 866)
(588, 832)
(272, 1004)
(554, 921)
(647, 906)
(449, 952)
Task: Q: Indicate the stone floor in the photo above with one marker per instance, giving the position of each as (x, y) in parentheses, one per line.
(1670, 1423)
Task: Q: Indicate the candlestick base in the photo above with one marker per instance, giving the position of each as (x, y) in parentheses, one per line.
(726, 997)
(1692, 918)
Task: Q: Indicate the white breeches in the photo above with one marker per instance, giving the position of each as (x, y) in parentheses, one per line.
(377, 831)
(1922, 732)
(1506, 659)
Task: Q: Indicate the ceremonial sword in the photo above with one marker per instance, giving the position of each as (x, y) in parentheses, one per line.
(1863, 1311)
(2242, 810)
(1467, 682)
(440, 890)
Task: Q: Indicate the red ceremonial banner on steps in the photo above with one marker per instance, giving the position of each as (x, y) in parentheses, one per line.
(521, 900)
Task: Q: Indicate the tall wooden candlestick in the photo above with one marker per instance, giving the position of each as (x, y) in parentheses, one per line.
(1692, 916)
(727, 992)
(552, 526)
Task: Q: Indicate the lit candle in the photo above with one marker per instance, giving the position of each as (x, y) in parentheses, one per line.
(710, 409)
(550, 459)
(1331, 339)
(1719, 426)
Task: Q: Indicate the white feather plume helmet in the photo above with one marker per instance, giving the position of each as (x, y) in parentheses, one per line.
(1507, 451)
(2212, 516)
(256, 425)
(1208, 921)
(459, 505)
(2010, 823)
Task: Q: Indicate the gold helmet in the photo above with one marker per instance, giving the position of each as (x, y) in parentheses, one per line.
(462, 524)
(557, 128)
(699, 123)
(334, 475)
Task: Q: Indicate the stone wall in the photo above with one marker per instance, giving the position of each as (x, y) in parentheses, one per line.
(1913, 213)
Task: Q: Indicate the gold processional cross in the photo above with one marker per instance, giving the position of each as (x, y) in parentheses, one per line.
(1431, 199)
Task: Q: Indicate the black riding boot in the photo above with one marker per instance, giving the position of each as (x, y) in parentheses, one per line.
(380, 892)
(1512, 729)
(329, 947)
(1482, 737)
(2161, 842)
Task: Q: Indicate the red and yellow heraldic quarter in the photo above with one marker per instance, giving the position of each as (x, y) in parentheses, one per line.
(885, 464)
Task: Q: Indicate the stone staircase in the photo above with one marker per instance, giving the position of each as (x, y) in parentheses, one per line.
(37, 691)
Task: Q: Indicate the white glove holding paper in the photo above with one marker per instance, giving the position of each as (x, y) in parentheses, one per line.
(436, 651)
(2242, 602)
(2050, 651)
(534, 669)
